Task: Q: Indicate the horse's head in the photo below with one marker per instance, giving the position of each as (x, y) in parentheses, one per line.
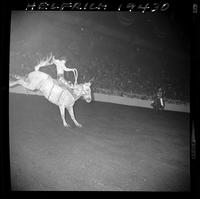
(86, 92)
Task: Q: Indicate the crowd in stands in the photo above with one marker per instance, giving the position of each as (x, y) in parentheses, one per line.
(116, 79)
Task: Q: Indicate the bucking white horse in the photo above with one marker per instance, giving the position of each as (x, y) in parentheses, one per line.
(54, 92)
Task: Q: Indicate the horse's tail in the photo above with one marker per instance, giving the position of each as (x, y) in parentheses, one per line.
(15, 76)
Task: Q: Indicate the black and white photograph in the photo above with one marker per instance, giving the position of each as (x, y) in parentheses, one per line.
(100, 100)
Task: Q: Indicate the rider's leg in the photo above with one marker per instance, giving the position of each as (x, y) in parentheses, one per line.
(61, 80)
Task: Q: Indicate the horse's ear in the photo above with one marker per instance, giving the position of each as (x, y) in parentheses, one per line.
(89, 83)
(91, 80)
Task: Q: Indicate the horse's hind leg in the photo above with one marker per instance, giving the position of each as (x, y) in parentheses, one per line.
(22, 83)
(13, 83)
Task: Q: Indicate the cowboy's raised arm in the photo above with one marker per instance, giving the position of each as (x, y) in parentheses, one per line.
(44, 63)
(74, 70)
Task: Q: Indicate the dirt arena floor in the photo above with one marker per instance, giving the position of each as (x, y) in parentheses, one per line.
(119, 148)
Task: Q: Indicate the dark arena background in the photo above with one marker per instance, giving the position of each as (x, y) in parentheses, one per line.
(119, 147)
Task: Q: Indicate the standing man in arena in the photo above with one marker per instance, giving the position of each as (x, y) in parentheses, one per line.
(160, 96)
(158, 101)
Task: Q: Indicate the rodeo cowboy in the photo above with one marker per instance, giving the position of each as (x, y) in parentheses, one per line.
(60, 68)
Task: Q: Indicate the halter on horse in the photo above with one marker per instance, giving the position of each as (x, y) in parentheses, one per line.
(55, 93)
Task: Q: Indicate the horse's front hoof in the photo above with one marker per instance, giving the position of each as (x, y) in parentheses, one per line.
(67, 125)
(79, 125)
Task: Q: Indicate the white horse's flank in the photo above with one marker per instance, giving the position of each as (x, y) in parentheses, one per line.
(54, 92)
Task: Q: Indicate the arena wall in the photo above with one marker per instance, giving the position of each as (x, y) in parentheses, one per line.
(116, 99)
